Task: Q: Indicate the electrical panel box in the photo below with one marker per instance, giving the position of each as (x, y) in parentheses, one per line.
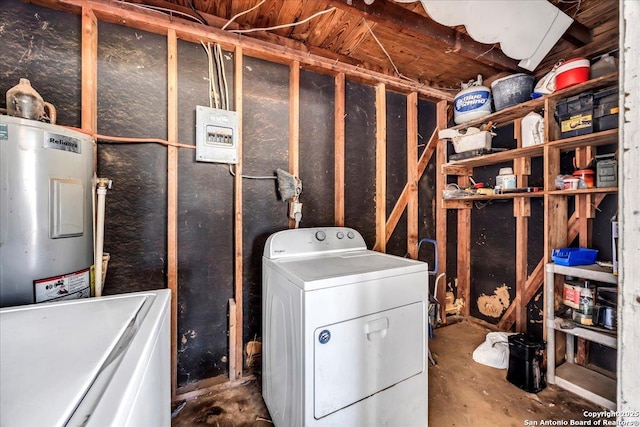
(216, 135)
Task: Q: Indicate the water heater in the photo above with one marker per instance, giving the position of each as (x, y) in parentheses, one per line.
(46, 225)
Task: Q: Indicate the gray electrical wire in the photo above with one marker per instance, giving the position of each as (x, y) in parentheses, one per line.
(240, 14)
(159, 9)
(276, 27)
(224, 78)
(217, 54)
(251, 176)
(214, 98)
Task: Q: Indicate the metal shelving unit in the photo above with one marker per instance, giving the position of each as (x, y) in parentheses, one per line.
(591, 385)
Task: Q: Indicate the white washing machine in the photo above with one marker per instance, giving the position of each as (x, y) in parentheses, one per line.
(344, 332)
(88, 362)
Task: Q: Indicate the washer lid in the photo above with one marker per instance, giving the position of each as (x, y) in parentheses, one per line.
(51, 354)
(336, 269)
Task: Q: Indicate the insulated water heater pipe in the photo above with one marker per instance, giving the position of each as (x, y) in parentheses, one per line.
(103, 185)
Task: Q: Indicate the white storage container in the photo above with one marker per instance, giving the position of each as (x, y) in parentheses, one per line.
(473, 139)
(532, 129)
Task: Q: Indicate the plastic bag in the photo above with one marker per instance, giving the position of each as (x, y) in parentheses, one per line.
(547, 84)
(494, 351)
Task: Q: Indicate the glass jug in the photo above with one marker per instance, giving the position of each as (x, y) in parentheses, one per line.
(23, 101)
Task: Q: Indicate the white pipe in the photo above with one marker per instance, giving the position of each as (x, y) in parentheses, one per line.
(102, 194)
(435, 284)
(94, 182)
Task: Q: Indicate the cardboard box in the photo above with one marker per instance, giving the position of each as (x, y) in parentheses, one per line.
(571, 294)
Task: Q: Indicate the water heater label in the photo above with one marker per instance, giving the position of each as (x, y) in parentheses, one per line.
(4, 132)
(69, 286)
(62, 142)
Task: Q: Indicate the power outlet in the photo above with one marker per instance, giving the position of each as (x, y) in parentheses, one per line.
(216, 135)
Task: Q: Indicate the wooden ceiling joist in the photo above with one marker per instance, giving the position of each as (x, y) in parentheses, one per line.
(578, 34)
(135, 17)
(401, 19)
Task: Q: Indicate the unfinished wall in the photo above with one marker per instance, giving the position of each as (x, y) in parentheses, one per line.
(317, 157)
(265, 148)
(132, 99)
(360, 160)
(44, 45)
(205, 232)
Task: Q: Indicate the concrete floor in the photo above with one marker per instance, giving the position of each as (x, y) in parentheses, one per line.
(461, 393)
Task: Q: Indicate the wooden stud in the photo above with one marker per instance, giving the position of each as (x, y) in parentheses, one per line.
(381, 166)
(522, 235)
(237, 91)
(522, 212)
(583, 202)
(517, 132)
(442, 119)
(172, 199)
(463, 270)
(427, 153)
(294, 123)
(339, 124)
(233, 336)
(412, 175)
(403, 200)
(89, 96)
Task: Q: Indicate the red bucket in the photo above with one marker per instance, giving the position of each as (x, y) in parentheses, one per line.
(572, 72)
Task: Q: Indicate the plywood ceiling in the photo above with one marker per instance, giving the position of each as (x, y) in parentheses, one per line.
(397, 38)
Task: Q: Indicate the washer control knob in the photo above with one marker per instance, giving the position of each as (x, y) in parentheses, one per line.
(340, 235)
(321, 235)
(350, 234)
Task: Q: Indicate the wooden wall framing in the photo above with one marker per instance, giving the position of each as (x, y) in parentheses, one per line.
(174, 29)
(381, 166)
(339, 130)
(172, 199)
(237, 304)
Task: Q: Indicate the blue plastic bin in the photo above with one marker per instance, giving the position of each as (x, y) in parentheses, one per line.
(574, 256)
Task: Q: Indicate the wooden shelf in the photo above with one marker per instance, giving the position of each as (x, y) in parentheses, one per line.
(583, 191)
(590, 140)
(589, 384)
(507, 115)
(598, 83)
(501, 157)
(498, 196)
(558, 228)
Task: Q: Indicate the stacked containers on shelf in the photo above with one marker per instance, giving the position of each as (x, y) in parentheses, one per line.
(605, 109)
(575, 115)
